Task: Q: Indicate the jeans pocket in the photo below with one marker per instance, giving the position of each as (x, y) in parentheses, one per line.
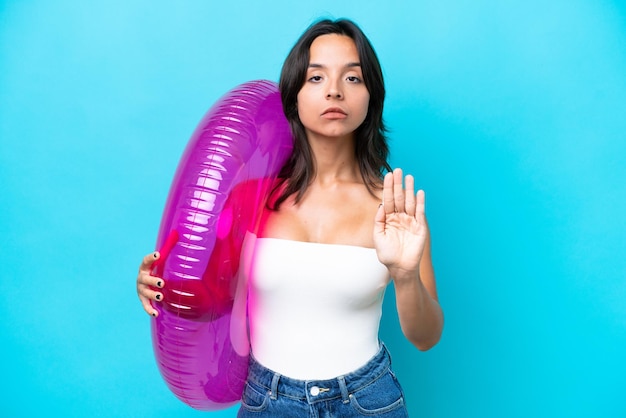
(381, 397)
(254, 398)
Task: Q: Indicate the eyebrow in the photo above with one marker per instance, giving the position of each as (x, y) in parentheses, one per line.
(348, 65)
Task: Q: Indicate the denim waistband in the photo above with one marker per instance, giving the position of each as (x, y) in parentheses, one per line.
(320, 390)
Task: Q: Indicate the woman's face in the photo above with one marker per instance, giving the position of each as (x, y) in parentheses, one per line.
(333, 101)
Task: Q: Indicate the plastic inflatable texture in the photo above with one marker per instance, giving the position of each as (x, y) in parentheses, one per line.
(218, 192)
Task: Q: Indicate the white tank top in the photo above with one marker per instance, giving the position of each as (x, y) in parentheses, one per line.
(314, 309)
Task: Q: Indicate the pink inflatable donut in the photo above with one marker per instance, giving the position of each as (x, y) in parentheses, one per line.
(219, 189)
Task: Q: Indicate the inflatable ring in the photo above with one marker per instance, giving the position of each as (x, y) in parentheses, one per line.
(218, 192)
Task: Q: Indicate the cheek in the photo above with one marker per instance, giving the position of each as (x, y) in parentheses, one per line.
(303, 106)
(301, 103)
(364, 106)
(301, 109)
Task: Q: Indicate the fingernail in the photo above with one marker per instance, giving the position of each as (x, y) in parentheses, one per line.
(160, 283)
(158, 297)
(154, 314)
(155, 255)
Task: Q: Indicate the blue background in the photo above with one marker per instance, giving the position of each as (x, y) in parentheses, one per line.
(511, 114)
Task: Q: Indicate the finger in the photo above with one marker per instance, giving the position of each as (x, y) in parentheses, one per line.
(409, 183)
(148, 293)
(148, 260)
(147, 306)
(144, 278)
(420, 204)
(398, 191)
(379, 221)
(388, 202)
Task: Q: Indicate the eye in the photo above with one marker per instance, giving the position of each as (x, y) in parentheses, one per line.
(315, 79)
(353, 79)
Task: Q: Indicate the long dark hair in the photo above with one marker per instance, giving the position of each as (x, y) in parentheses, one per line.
(371, 148)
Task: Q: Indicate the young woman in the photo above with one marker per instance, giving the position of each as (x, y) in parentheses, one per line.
(336, 233)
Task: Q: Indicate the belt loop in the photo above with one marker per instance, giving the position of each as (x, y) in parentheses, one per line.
(274, 386)
(344, 389)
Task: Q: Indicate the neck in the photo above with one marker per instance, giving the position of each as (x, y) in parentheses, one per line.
(334, 159)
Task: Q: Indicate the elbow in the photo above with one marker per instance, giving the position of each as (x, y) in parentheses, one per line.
(425, 345)
(424, 341)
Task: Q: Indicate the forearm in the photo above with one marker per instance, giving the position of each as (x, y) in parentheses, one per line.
(421, 317)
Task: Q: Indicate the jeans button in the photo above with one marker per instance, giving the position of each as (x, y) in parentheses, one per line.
(315, 391)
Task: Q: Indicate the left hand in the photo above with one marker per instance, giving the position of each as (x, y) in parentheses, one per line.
(400, 228)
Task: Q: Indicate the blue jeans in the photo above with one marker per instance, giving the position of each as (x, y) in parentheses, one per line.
(371, 391)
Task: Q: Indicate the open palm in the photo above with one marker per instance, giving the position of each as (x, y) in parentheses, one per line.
(400, 227)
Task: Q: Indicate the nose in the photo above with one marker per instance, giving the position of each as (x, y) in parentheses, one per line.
(334, 91)
(334, 94)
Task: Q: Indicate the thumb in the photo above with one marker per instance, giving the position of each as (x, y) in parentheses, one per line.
(379, 220)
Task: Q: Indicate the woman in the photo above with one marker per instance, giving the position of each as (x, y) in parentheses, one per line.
(328, 246)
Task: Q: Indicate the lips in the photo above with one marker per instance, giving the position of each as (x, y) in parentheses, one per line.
(334, 111)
